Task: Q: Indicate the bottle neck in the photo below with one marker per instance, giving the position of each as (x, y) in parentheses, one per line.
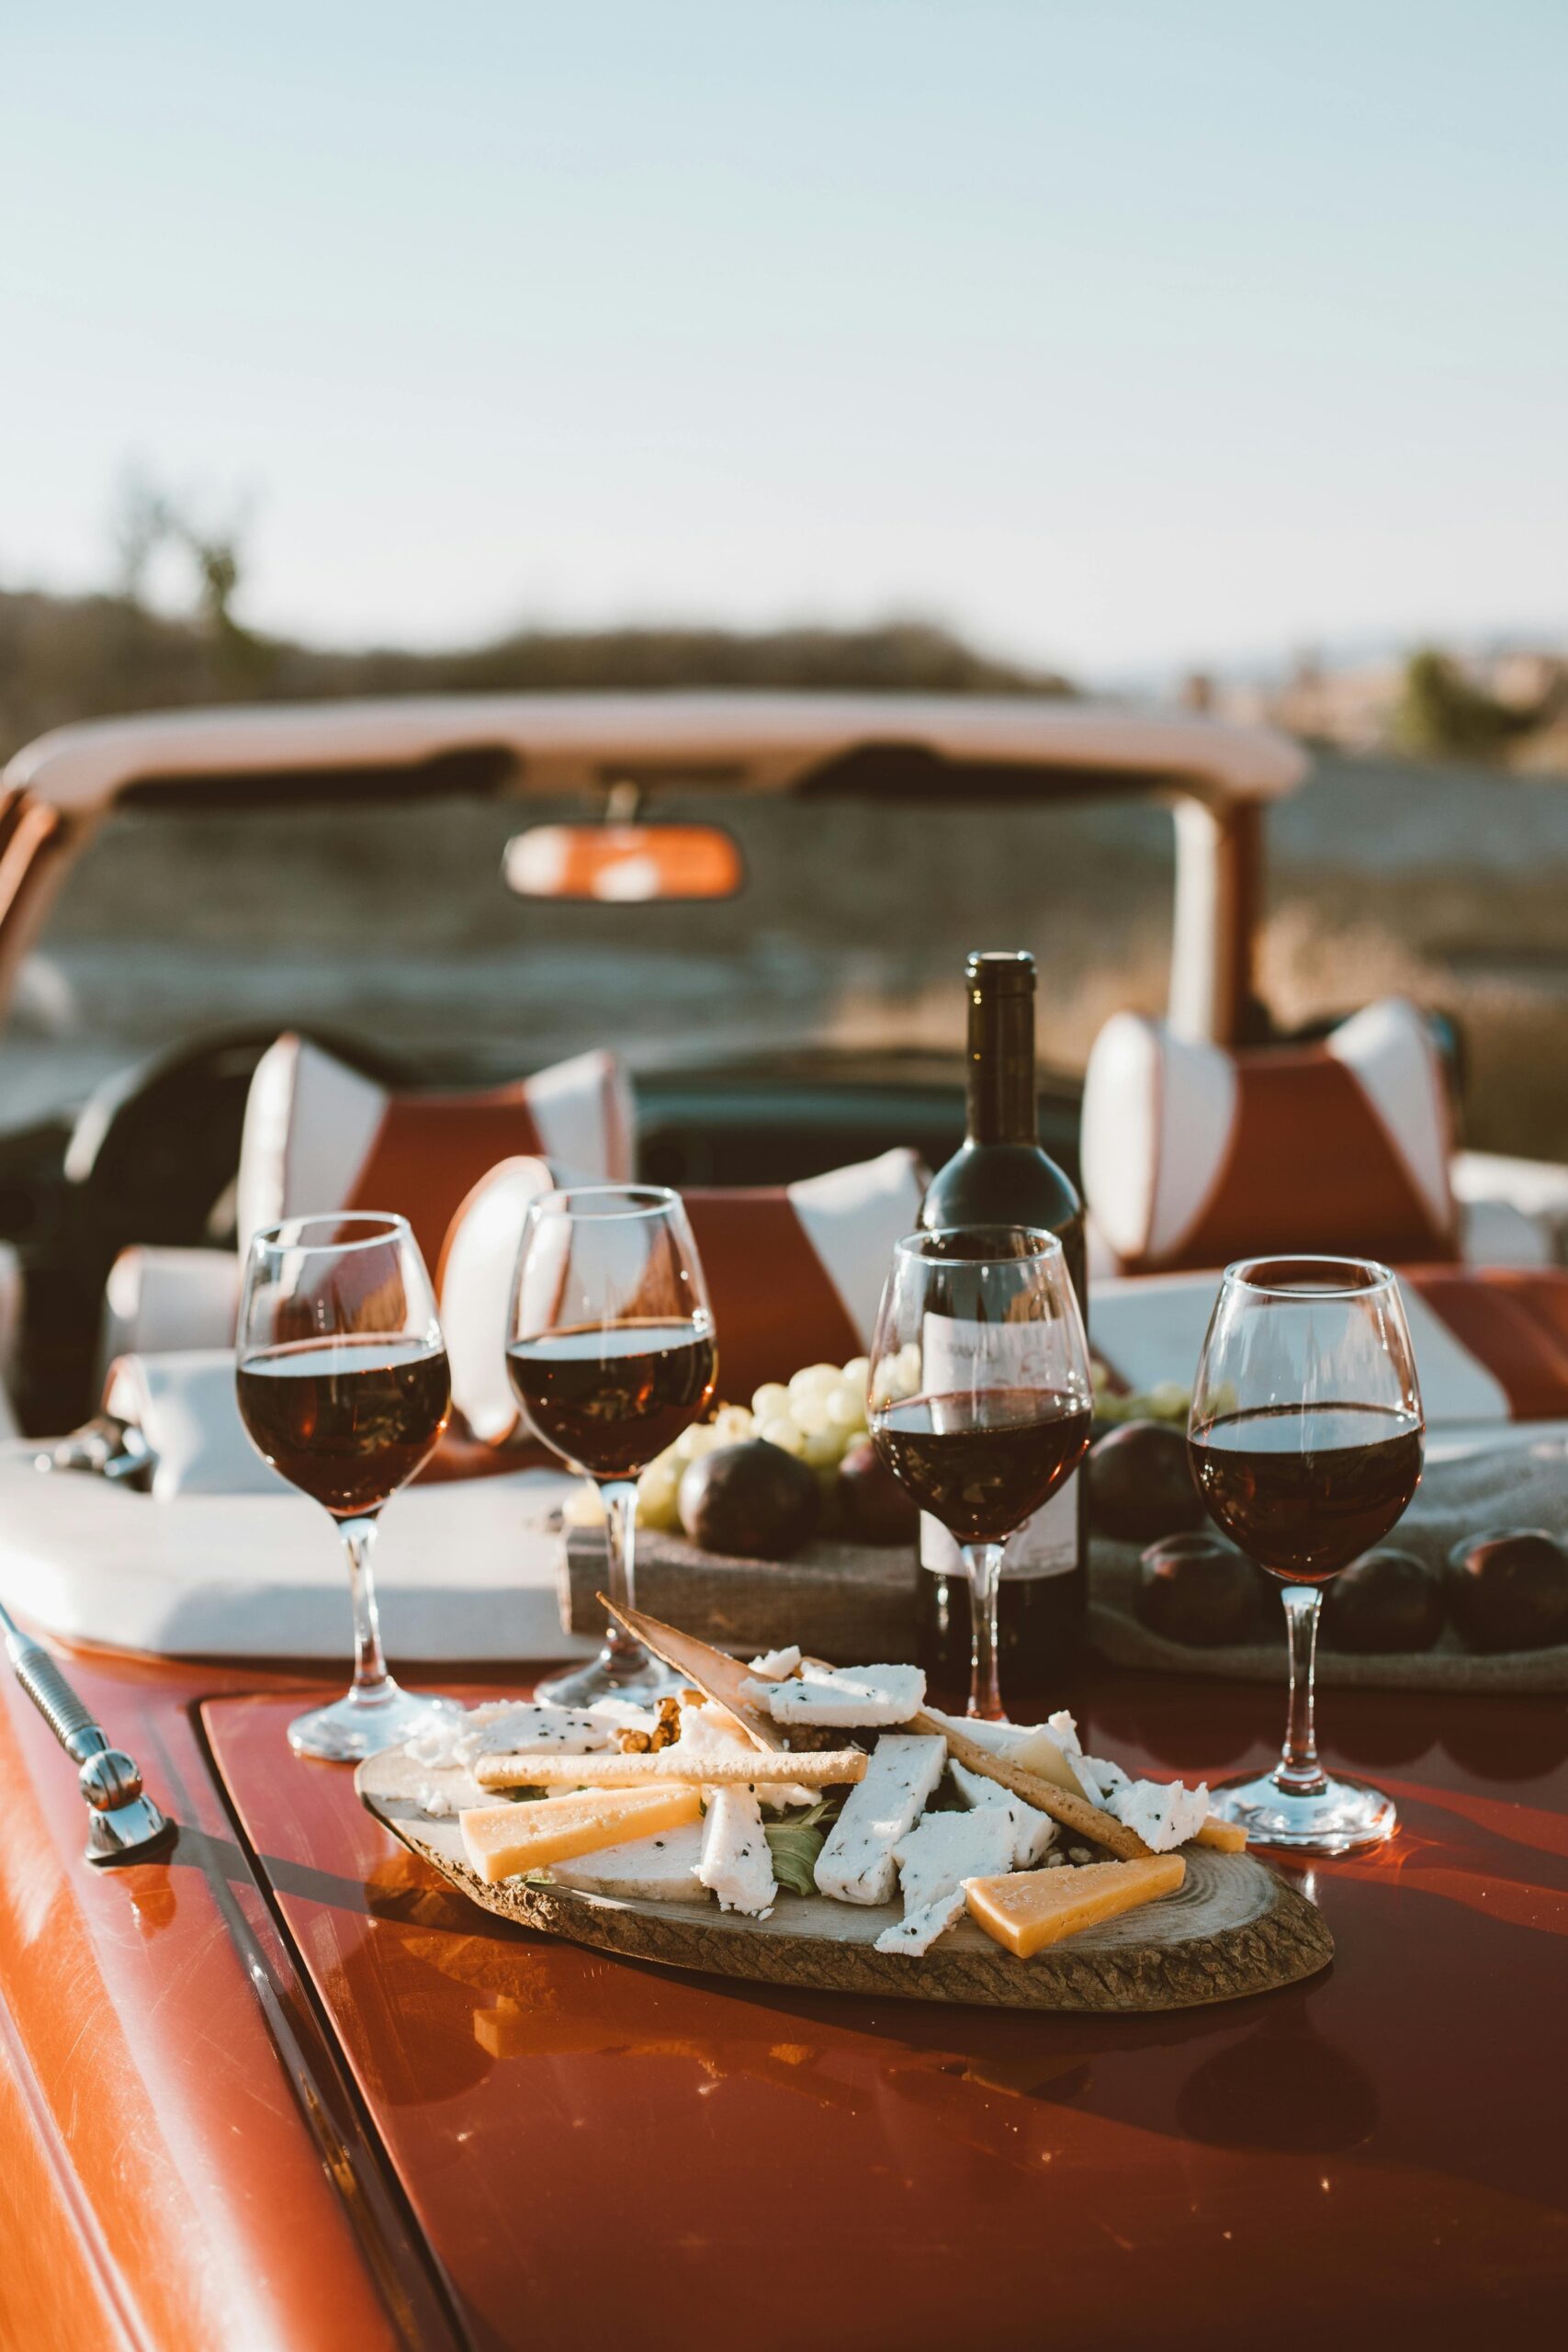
(1002, 1103)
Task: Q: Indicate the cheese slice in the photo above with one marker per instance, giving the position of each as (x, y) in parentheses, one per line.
(856, 1863)
(1032, 1909)
(850, 1698)
(504, 1840)
(660, 1869)
(736, 1860)
(1225, 1837)
(1033, 1832)
(1041, 1748)
(937, 1858)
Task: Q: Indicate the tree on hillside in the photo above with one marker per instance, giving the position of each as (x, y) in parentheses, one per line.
(1442, 715)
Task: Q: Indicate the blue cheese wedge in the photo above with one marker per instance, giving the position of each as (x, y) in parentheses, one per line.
(1033, 1832)
(735, 1863)
(846, 1696)
(934, 1860)
(643, 1870)
(856, 1863)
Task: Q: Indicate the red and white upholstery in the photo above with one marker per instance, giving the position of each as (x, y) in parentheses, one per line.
(1194, 1155)
(794, 1275)
(1491, 1344)
(319, 1136)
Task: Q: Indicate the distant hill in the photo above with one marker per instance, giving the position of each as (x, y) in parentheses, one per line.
(81, 657)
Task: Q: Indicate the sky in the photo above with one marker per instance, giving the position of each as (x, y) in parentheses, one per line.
(1122, 338)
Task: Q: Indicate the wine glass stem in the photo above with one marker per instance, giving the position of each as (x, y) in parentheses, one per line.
(371, 1681)
(622, 1654)
(1300, 1773)
(984, 1564)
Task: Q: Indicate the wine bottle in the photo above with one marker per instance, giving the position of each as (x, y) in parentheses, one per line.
(1002, 1175)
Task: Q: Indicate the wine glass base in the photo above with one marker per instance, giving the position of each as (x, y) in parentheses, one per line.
(643, 1680)
(352, 1728)
(1342, 1817)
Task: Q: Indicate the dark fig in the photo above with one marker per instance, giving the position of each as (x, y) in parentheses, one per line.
(1383, 1602)
(752, 1498)
(873, 1506)
(1140, 1484)
(1198, 1590)
(1508, 1589)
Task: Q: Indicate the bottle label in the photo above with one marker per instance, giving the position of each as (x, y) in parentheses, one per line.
(1046, 1545)
(957, 1355)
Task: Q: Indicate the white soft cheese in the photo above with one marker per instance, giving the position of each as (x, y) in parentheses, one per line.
(656, 1870)
(1032, 1831)
(1101, 1778)
(734, 1862)
(846, 1697)
(776, 1665)
(945, 1849)
(1033, 1747)
(1164, 1813)
(934, 1859)
(856, 1863)
(514, 1728)
(917, 1931)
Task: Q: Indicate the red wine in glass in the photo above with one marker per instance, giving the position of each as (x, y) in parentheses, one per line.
(984, 1461)
(346, 1420)
(343, 1385)
(978, 1402)
(1305, 1489)
(1305, 1441)
(611, 1398)
(609, 1352)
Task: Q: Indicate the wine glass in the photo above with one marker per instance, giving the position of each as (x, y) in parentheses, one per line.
(340, 1371)
(610, 1350)
(979, 1399)
(1305, 1444)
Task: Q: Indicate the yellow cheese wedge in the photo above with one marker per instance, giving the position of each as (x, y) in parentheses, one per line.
(1031, 1908)
(502, 1840)
(1225, 1837)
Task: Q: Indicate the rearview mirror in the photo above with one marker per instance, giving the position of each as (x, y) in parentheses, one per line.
(628, 862)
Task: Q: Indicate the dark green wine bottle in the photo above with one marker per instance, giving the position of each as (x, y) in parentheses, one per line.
(1001, 1174)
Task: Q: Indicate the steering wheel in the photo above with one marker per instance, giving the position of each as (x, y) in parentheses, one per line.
(155, 1148)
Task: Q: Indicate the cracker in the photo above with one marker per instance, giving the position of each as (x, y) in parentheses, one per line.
(814, 1769)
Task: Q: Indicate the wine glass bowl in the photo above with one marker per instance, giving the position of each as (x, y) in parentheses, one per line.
(1305, 1441)
(343, 1385)
(611, 1355)
(980, 1400)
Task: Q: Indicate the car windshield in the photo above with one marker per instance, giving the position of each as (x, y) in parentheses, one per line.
(391, 922)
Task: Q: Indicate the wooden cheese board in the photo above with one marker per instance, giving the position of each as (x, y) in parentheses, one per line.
(1235, 1927)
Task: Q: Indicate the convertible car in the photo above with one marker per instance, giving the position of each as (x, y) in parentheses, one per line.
(268, 2080)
